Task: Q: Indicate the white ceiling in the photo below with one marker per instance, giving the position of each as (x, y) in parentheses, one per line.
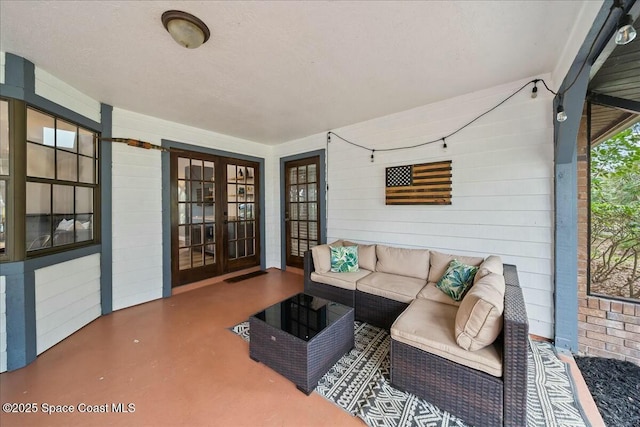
(277, 71)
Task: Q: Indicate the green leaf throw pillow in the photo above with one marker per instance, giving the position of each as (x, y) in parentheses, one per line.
(457, 279)
(344, 259)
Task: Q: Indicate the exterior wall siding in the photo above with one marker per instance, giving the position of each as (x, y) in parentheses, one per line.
(502, 185)
(137, 200)
(2, 63)
(56, 90)
(67, 298)
(3, 324)
(606, 327)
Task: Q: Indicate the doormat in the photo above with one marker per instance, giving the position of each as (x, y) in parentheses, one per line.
(359, 383)
(245, 276)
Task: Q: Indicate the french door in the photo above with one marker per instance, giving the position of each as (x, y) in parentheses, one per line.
(302, 208)
(214, 216)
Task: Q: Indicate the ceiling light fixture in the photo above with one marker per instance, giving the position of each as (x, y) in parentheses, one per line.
(186, 29)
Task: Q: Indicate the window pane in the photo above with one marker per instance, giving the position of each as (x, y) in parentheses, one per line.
(84, 228)
(67, 166)
(86, 142)
(208, 171)
(4, 138)
(86, 170)
(183, 167)
(40, 128)
(38, 219)
(312, 173)
(185, 258)
(63, 200)
(184, 237)
(182, 213)
(66, 136)
(302, 174)
(312, 192)
(196, 170)
(84, 200)
(3, 218)
(40, 161)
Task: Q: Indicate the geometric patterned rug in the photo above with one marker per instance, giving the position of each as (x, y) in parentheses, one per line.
(360, 384)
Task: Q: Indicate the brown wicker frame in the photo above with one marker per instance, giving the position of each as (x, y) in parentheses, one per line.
(378, 311)
(478, 398)
(302, 362)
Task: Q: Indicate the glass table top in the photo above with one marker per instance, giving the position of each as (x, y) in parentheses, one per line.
(303, 316)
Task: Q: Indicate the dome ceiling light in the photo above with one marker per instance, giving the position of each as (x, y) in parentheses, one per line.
(186, 29)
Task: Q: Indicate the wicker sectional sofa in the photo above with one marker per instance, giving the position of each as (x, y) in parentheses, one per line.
(439, 350)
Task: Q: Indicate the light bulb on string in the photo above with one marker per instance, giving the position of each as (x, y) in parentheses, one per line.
(561, 116)
(534, 91)
(372, 158)
(444, 143)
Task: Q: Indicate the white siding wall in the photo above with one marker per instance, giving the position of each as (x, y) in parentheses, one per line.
(61, 93)
(502, 185)
(2, 64)
(3, 324)
(67, 298)
(137, 200)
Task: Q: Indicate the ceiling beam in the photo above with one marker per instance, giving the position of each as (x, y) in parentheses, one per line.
(612, 101)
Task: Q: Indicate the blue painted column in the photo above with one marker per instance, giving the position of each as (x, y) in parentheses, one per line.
(566, 212)
(21, 315)
(106, 231)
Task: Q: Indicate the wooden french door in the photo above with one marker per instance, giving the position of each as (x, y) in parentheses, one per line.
(214, 216)
(302, 208)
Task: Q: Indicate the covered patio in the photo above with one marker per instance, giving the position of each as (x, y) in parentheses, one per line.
(340, 93)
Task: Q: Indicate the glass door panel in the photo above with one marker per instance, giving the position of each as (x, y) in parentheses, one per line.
(214, 216)
(302, 217)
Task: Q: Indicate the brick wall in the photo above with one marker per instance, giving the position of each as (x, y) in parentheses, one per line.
(606, 328)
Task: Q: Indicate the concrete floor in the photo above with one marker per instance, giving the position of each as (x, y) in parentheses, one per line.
(176, 363)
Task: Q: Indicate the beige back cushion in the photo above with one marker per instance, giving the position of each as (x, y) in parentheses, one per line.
(492, 264)
(405, 262)
(367, 257)
(321, 258)
(366, 254)
(440, 262)
(321, 255)
(479, 317)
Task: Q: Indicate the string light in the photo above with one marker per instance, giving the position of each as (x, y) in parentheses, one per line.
(534, 91)
(442, 139)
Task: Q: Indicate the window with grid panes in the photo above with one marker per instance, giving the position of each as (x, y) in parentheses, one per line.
(62, 182)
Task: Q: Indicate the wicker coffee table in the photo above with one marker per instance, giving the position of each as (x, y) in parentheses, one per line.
(301, 338)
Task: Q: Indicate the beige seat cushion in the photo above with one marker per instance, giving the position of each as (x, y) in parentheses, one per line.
(405, 262)
(397, 288)
(340, 280)
(429, 326)
(431, 292)
(479, 319)
(440, 262)
(492, 264)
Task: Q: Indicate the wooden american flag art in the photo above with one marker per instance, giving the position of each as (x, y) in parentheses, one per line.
(423, 184)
